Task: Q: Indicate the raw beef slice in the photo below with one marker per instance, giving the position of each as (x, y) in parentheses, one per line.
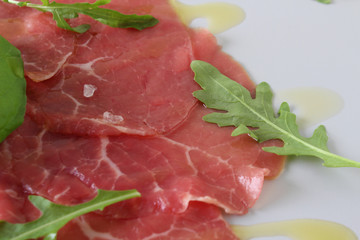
(195, 163)
(199, 222)
(121, 80)
(44, 46)
(120, 115)
(169, 171)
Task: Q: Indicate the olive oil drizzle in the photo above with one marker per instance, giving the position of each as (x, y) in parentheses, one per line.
(300, 229)
(220, 16)
(313, 104)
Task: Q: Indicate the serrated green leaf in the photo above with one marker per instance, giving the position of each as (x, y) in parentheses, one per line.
(242, 129)
(12, 89)
(324, 1)
(221, 93)
(62, 11)
(55, 216)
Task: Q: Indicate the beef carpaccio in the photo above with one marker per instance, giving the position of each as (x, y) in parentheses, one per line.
(113, 109)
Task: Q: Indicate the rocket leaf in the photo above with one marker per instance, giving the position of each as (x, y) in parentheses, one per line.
(61, 12)
(324, 1)
(12, 89)
(55, 216)
(243, 111)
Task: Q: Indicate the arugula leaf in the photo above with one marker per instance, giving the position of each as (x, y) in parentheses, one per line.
(12, 89)
(61, 12)
(243, 111)
(324, 1)
(55, 216)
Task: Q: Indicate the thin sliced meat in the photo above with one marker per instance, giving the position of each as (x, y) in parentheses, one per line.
(206, 48)
(15, 207)
(44, 46)
(119, 114)
(195, 163)
(199, 222)
(121, 80)
(126, 81)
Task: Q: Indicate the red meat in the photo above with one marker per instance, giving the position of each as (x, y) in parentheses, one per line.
(199, 222)
(119, 114)
(44, 47)
(120, 80)
(196, 162)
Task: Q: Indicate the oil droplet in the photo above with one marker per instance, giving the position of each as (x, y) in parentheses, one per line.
(300, 229)
(220, 16)
(312, 105)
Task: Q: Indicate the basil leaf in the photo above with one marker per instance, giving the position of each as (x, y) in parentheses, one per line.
(62, 11)
(241, 110)
(12, 89)
(55, 216)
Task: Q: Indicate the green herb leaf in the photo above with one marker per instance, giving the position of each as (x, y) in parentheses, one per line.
(324, 1)
(61, 12)
(12, 89)
(55, 216)
(222, 93)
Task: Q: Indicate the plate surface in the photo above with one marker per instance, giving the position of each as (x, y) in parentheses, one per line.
(303, 43)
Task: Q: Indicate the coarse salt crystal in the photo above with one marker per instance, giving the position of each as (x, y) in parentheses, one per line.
(89, 90)
(109, 117)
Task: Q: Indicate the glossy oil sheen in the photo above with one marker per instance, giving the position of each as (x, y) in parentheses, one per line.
(301, 229)
(220, 16)
(312, 105)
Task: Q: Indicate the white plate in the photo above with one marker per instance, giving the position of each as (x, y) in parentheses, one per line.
(303, 43)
